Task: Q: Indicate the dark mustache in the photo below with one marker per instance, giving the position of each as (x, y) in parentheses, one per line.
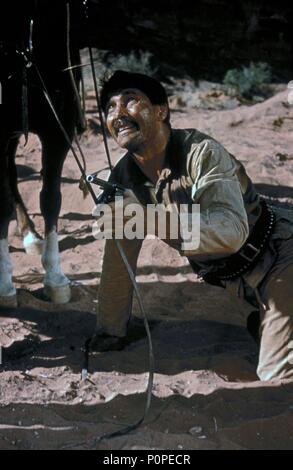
(123, 121)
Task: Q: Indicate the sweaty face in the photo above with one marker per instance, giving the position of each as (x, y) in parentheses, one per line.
(132, 119)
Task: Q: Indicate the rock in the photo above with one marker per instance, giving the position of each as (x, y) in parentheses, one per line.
(195, 430)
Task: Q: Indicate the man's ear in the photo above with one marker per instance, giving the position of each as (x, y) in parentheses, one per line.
(163, 112)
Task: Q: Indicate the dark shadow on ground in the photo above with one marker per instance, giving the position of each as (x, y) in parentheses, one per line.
(176, 307)
(70, 242)
(25, 171)
(250, 418)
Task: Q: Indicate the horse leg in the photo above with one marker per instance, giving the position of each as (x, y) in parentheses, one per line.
(7, 289)
(56, 284)
(32, 241)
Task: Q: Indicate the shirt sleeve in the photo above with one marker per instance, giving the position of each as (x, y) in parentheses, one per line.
(216, 188)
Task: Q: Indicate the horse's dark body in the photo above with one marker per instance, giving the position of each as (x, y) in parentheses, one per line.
(51, 57)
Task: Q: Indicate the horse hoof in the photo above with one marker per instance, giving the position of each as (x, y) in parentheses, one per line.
(8, 301)
(32, 244)
(58, 295)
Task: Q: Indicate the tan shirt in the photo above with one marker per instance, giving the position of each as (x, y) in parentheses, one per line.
(198, 170)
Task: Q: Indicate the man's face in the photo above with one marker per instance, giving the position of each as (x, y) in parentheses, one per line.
(132, 119)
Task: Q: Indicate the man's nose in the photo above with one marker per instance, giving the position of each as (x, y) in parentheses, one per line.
(120, 110)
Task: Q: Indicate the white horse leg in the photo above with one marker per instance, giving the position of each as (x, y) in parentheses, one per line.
(32, 244)
(7, 289)
(56, 284)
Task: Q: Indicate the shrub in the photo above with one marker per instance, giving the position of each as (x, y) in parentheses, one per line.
(248, 81)
(139, 62)
(105, 64)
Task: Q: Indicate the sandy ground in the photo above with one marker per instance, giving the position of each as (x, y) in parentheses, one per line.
(206, 394)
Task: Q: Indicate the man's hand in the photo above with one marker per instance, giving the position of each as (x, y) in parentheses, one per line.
(129, 198)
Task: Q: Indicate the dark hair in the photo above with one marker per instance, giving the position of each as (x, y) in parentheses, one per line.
(120, 80)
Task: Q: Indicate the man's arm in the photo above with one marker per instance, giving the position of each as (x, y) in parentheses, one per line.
(223, 218)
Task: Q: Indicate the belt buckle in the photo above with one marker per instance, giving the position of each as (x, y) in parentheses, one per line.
(255, 251)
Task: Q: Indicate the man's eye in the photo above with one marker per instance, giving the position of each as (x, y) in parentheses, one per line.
(110, 107)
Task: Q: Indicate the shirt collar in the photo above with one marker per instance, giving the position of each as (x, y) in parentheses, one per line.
(137, 176)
